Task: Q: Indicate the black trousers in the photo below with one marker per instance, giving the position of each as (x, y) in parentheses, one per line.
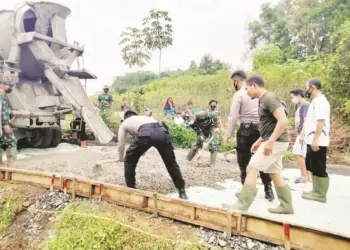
(246, 136)
(152, 135)
(316, 161)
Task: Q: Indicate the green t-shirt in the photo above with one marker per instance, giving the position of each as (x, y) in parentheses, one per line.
(267, 105)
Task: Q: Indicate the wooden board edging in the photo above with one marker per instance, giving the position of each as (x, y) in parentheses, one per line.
(290, 235)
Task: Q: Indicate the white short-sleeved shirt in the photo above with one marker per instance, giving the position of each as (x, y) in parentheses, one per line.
(319, 109)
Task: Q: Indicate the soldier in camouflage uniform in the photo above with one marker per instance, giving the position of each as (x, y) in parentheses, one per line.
(8, 140)
(105, 99)
(206, 125)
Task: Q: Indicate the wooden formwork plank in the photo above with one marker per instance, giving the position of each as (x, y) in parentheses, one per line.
(246, 224)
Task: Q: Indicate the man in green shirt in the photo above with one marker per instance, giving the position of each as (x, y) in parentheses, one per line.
(268, 150)
(105, 99)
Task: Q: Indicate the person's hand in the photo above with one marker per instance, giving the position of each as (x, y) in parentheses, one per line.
(8, 129)
(217, 131)
(268, 148)
(301, 139)
(255, 147)
(205, 145)
(314, 146)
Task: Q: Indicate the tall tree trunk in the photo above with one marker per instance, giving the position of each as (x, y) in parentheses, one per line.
(160, 59)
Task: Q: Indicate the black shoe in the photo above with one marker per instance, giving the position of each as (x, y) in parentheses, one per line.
(269, 193)
(182, 194)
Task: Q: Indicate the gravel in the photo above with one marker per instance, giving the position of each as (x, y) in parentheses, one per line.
(151, 173)
(218, 239)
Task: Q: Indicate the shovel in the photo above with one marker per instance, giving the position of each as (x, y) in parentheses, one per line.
(99, 163)
(205, 146)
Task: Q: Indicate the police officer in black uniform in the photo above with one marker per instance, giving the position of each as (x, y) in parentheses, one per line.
(148, 133)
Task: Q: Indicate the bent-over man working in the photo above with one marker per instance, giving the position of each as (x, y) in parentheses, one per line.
(148, 133)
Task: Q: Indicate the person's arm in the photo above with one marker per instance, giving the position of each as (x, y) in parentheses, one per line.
(121, 140)
(234, 115)
(319, 128)
(303, 116)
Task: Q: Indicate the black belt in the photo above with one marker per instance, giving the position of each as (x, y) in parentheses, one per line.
(249, 125)
(152, 125)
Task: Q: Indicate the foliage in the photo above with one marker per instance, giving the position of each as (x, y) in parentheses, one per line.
(134, 51)
(10, 205)
(339, 67)
(209, 66)
(81, 227)
(182, 137)
(158, 31)
(122, 83)
(138, 102)
(269, 54)
(230, 146)
(111, 119)
(299, 28)
(289, 156)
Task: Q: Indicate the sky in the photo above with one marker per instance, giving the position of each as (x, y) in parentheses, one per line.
(218, 27)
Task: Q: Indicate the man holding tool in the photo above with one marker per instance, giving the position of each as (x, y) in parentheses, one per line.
(207, 127)
(245, 109)
(148, 133)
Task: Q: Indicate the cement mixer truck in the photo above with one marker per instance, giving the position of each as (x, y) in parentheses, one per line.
(34, 49)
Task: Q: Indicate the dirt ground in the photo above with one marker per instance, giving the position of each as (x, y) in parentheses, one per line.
(28, 229)
(151, 173)
(36, 224)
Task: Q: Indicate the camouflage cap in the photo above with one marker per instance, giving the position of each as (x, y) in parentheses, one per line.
(105, 87)
(6, 81)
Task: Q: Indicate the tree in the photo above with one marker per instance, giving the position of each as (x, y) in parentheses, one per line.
(134, 51)
(339, 67)
(209, 66)
(158, 32)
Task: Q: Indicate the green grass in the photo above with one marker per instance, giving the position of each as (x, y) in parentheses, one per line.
(75, 230)
(10, 205)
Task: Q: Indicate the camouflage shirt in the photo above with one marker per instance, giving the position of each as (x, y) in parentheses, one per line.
(5, 111)
(105, 100)
(206, 121)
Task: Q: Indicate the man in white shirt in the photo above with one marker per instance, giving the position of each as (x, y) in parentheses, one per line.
(317, 128)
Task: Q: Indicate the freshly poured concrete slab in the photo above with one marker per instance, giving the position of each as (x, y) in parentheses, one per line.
(332, 216)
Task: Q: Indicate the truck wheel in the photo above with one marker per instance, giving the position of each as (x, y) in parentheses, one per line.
(56, 137)
(35, 140)
(46, 137)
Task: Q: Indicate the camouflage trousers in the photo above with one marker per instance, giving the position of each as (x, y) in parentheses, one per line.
(213, 145)
(8, 141)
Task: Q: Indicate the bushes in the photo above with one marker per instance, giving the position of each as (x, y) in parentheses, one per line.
(185, 138)
(111, 119)
(182, 137)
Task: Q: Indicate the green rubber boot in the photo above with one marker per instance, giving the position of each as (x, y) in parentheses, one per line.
(321, 185)
(285, 197)
(213, 156)
(309, 192)
(1, 154)
(11, 155)
(246, 198)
